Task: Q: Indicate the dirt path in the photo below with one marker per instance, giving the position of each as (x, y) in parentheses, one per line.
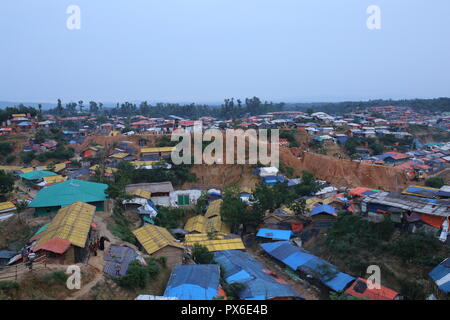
(86, 288)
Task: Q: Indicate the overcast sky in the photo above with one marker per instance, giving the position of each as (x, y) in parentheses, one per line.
(206, 50)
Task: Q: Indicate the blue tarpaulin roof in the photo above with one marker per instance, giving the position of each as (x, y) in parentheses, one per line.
(239, 266)
(194, 282)
(324, 208)
(275, 234)
(298, 259)
(118, 255)
(6, 254)
(441, 275)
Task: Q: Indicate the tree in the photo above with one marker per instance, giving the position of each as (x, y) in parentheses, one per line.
(80, 105)
(201, 254)
(6, 182)
(233, 210)
(435, 182)
(59, 107)
(299, 207)
(138, 276)
(21, 205)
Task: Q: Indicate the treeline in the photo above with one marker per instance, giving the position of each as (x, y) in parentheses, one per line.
(6, 113)
(231, 109)
(420, 105)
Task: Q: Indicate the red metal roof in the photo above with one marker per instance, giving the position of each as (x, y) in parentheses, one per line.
(55, 245)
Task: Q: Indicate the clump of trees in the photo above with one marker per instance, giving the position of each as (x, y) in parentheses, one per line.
(435, 182)
(138, 276)
(201, 255)
(6, 184)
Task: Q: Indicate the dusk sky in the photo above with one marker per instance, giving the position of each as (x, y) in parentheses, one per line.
(207, 50)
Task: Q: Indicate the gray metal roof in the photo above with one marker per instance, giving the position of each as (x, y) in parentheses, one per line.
(405, 202)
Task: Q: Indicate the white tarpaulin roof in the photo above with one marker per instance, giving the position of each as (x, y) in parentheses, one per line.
(268, 171)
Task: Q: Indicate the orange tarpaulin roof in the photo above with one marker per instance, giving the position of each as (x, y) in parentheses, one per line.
(432, 220)
(373, 294)
(358, 191)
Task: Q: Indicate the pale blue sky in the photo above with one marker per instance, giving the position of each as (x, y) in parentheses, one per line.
(206, 50)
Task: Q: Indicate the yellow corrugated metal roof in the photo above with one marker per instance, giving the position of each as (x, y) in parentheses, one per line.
(141, 193)
(19, 115)
(59, 167)
(107, 169)
(197, 224)
(214, 208)
(219, 245)
(144, 163)
(26, 170)
(6, 205)
(71, 223)
(10, 168)
(195, 237)
(215, 224)
(246, 190)
(54, 179)
(311, 202)
(119, 155)
(155, 150)
(154, 238)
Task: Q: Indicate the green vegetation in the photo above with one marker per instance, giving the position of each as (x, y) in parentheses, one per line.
(6, 147)
(56, 277)
(9, 285)
(344, 296)
(170, 218)
(6, 113)
(6, 183)
(357, 243)
(235, 212)
(202, 255)
(164, 141)
(178, 175)
(298, 206)
(121, 226)
(436, 182)
(352, 143)
(289, 135)
(233, 289)
(139, 276)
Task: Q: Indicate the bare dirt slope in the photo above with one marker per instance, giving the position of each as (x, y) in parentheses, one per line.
(344, 172)
(218, 176)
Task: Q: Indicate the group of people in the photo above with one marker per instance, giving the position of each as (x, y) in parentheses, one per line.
(28, 256)
(97, 244)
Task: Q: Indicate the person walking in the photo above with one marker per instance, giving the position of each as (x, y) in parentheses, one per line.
(118, 270)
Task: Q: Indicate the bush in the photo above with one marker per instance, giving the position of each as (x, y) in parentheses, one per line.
(8, 285)
(6, 147)
(28, 156)
(170, 218)
(411, 289)
(234, 289)
(56, 277)
(121, 227)
(201, 254)
(415, 248)
(9, 159)
(138, 276)
(436, 182)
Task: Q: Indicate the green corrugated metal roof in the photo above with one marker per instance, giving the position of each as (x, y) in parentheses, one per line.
(68, 192)
(43, 228)
(37, 174)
